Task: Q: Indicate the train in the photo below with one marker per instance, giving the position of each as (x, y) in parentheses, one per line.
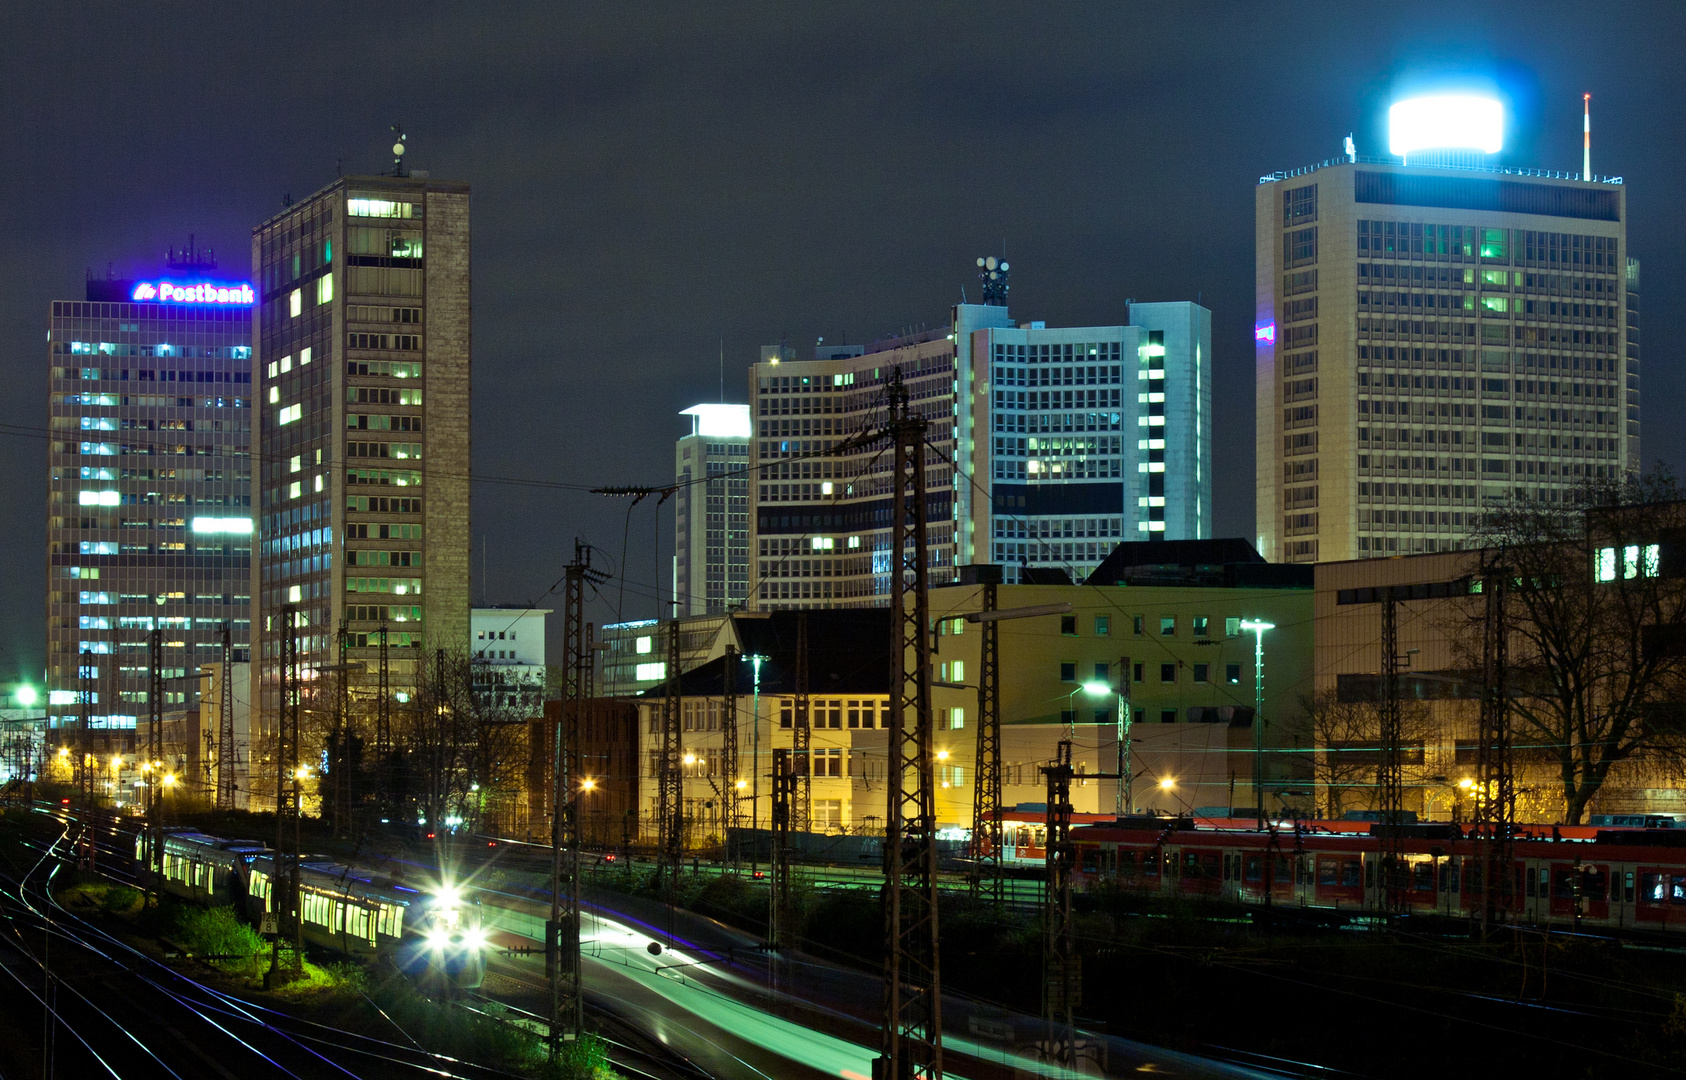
(434, 935)
(1627, 876)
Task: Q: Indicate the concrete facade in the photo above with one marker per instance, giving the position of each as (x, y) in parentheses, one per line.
(1431, 340)
(363, 360)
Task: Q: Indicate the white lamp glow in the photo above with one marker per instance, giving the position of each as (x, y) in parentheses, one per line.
(1451, 121)
(720, 421)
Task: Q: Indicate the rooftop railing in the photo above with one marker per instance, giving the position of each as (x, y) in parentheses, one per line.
(1359, 159)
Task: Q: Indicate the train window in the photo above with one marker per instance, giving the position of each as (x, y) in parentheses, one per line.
(1253, 869)
(1449, 876)
(1653, 888)
(1563, 885)
(1423, 877)
(1677, 890)
(1595, 883)
(1369, 873)
(1089, 860)
(1628, 888)
(1530, 883)
(1127, 863)
(1328, 871)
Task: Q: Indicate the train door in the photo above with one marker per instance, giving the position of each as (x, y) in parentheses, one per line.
(1339, 881)
(1580, 890)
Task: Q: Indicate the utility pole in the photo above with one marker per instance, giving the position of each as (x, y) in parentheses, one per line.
(85, 735)
(562, 946)
(670, 802)
(1062, 974)
(911, 1026)
(155, 755)
(226, 786)
(778, 909)
(286, 896)
(1495, 794)
(1061, 981)
(729, 751)
(1390, 778)
(986, 790)
(802, 735)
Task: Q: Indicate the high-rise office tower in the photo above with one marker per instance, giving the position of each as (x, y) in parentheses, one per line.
(149, 520)
(362, 432)
(1047, 446)
(711, 522)
(1434, 335)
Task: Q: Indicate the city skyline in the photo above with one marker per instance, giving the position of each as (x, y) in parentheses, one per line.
(607, 274)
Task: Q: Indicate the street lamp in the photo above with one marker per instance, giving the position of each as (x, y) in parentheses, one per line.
(1257, 628)
(1093, 689)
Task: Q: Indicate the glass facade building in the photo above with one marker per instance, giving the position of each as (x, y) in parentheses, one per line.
(149, 518)
(1047, 446)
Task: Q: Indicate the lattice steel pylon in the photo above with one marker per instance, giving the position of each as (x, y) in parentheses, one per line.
(729, 752)
(1061, 979)
(155, 746)
(383, 728)
(287, 791)
(801, 736)
(562, 940)
(670, 775)
(986, 788)
(911, 1027)
(1495, 793)
(779, 926)
(1390, 773)
(84, 772)
(226, 786)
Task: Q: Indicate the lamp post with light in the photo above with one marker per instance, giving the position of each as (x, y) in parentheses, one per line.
(1257, 628)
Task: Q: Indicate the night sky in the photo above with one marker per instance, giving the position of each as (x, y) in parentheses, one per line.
(651, 182)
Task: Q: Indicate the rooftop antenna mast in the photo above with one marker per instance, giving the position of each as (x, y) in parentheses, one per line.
(398, 151)
(1586, 138)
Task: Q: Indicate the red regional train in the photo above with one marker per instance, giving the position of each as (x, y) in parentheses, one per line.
(1621, 877)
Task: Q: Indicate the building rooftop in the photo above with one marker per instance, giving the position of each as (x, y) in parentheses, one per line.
(1360, 159)
(1231, 563)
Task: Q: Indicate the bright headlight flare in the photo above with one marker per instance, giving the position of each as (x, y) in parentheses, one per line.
(448, 896)
(438, 938)
(474, 938)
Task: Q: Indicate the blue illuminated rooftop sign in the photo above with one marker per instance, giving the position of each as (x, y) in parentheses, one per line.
(236, 294)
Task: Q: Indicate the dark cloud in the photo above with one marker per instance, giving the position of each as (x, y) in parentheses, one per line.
(653, 180)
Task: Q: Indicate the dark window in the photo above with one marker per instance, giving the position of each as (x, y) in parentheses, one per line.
(1068, 625)
(1167, 716)
(1068, 671)
(1167, 673)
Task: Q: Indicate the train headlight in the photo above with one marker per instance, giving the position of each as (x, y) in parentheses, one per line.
(438, 939)
(447, 896)
(474, 939)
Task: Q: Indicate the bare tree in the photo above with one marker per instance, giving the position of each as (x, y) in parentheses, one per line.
(1597, 615)
(1341, 735)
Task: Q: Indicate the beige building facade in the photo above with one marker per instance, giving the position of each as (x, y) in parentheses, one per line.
(1190, 691)
(1430, 340)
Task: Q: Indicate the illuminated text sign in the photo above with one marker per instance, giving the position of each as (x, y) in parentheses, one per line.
(194, 292)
